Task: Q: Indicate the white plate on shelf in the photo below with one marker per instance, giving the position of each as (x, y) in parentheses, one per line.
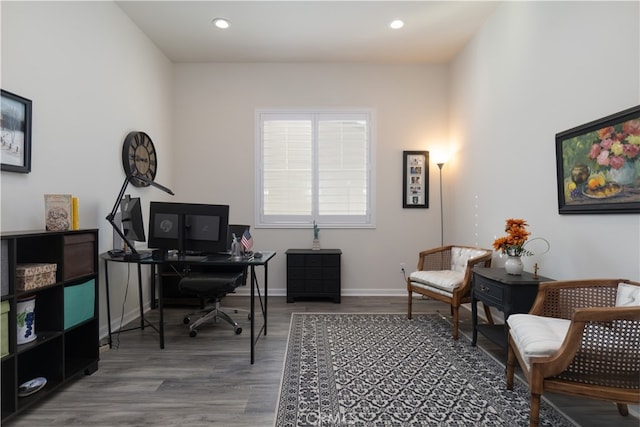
(31, 386)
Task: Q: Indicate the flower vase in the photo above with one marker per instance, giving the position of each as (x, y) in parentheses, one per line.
(626, 175)
(513, 265)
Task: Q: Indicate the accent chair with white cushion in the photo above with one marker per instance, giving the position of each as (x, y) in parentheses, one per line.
(444, 274)
(582, 338)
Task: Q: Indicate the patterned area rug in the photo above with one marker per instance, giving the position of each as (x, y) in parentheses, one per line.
(385, 370)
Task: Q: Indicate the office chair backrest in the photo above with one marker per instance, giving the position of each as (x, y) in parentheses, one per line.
(236, 229)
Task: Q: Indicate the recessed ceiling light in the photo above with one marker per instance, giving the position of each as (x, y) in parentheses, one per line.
(221, 23)
(396, 24)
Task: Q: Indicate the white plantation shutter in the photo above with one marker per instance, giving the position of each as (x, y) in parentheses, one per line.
(314, 166)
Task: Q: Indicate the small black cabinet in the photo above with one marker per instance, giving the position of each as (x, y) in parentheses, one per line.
(313, 274)
(507, 293)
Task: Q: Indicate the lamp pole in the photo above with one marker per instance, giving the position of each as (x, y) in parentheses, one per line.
(440, 165)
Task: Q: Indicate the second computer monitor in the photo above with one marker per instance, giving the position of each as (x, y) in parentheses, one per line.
(132, 221)
(188, 227)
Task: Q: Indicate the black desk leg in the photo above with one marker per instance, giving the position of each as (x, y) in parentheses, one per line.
(265, 299)
(140, 302)
(161, 309)
(254, 283)
(106, 283)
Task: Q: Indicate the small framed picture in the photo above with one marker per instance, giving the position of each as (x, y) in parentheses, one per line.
(15, 133)
(415, 179)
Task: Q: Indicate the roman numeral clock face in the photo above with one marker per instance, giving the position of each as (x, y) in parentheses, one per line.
(139, 157)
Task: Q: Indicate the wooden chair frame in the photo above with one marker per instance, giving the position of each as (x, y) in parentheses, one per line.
(440, 259)
(582, 366)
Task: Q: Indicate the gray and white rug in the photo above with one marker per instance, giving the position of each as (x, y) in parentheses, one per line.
(385, 370)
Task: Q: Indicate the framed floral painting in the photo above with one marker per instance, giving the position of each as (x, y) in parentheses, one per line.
(598, 165)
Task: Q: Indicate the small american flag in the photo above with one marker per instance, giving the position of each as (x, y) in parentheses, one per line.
(247, 240)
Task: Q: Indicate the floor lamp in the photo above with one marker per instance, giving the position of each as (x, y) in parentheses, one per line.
(440, 165)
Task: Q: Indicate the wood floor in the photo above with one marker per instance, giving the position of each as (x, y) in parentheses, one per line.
(208, 380)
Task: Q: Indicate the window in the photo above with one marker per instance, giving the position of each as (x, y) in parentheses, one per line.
(314, 166)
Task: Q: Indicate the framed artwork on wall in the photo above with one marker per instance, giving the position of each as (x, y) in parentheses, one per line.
(415, 179)
(15, 133)
(598, 165)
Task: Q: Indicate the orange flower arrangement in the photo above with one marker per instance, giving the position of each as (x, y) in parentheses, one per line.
(517, 234)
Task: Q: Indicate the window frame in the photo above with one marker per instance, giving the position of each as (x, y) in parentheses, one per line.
(324, 221)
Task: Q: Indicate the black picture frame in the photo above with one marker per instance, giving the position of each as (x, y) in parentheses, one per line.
(415, 179)
(598, 165)
(15, 133)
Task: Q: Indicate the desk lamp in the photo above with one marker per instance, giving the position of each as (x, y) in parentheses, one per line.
(134, 255)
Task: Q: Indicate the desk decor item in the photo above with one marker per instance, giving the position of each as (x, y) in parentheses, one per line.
(513, 245)
(598, 165)
(415, 179)
(316, 241)
(15, 133)
(26, 319)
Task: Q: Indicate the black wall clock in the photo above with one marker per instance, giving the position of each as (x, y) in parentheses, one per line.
(139, 157)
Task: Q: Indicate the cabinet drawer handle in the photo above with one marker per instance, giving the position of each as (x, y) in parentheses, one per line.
(484, 288)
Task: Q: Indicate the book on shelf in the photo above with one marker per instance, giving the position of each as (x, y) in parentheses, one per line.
(58, 212)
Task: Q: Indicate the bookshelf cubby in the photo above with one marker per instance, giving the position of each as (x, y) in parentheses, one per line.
(63, 350)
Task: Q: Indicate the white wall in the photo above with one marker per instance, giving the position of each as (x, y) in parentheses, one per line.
(536, 69)
(93, 77)
(214, 159)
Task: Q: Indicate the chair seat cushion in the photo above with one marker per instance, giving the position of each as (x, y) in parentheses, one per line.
(446, 280)
(537, 336)
(627, 295)
(461, 256)
(210, 284)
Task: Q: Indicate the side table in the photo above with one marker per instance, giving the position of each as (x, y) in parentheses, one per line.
(507, 293)
(313, 274)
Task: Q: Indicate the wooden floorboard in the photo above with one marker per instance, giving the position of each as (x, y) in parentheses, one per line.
(208, 380)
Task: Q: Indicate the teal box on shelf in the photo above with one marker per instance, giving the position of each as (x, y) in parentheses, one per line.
(79, 303)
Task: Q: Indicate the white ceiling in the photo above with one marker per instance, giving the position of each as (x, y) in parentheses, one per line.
(309, 31)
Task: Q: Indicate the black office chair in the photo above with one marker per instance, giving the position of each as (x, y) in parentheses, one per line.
(214, 287)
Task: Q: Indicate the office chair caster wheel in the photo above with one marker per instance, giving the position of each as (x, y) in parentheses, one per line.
(238, 331)
(193, 333)
(186, 320)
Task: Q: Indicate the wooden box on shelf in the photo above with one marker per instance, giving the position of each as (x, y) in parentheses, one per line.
(35, 275)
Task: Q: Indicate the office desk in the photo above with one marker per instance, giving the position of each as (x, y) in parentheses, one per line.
(183, 263)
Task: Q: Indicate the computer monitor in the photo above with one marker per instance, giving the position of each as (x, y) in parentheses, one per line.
(132, 221)
(189, 228)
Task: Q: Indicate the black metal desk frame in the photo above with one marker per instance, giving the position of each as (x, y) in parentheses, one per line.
(210, 261)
